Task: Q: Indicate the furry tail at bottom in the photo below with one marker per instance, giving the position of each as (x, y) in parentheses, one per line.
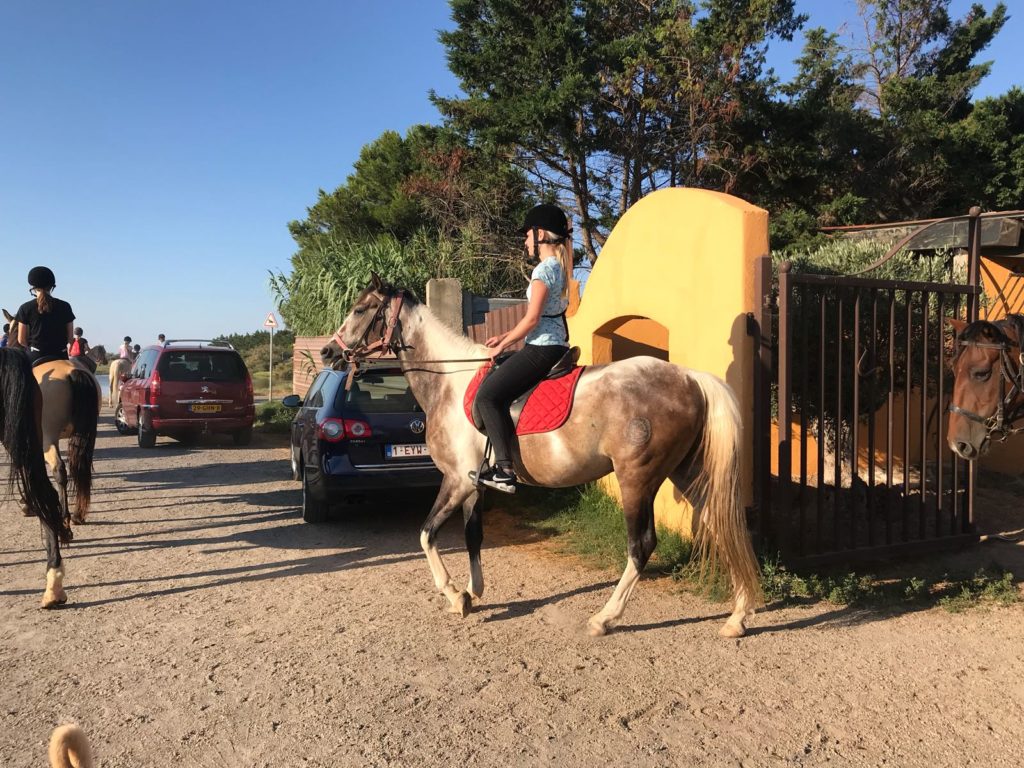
(69, 748)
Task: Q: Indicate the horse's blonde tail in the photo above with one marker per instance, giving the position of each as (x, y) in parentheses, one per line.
(69, 748)
(82, 443)
(722, 535)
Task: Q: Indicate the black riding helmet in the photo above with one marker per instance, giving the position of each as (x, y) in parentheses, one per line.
(41, 277)
(547, 217)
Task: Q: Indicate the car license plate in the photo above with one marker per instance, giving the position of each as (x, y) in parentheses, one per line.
(406, 451)
(205, 408)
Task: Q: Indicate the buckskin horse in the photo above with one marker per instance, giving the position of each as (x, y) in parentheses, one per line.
(988, 384)
(643, 418)
(71, 407)
(21, 409)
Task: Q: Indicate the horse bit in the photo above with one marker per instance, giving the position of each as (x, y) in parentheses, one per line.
(998, 424)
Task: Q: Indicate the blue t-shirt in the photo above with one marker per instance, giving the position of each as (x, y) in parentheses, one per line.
(549, 331)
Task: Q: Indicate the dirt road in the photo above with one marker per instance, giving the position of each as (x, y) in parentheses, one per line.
(208, 626)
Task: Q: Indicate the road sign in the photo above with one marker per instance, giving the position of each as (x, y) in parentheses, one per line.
(270, 322)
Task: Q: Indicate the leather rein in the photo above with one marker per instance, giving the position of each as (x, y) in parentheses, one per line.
(999, 425)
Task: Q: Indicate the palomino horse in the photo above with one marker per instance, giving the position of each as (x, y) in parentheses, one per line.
(118, 367)
(988, 388)
(21, 409)
(71, 407)
(644, 419)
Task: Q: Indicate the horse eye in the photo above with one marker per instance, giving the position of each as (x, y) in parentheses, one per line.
(984, 375)
(360, 311)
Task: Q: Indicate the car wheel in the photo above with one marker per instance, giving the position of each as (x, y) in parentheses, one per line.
(242, 436)
(313, 510)
(119, 420)
(296, 466)
(146, 433)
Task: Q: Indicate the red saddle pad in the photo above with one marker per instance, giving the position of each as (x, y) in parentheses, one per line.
(546, 409)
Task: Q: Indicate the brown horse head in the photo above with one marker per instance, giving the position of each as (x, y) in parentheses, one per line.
(370, 324)
(986, 388)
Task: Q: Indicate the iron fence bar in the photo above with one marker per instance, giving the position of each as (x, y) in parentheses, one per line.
(940, 411)
(954, 469)
(923, 471)
(837, 462)
(855, 421)
(821, 420)
(889, 417)
(909, 301)
(871, 419)
(804, 327)
(973, 261)
(762, 399)
(785, 390)
(864, 282)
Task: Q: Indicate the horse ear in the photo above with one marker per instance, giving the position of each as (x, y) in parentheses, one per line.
(375, 281)
(957, 325)
(8, 316)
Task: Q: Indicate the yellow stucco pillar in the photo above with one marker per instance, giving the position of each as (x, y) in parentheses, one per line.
(683, 258)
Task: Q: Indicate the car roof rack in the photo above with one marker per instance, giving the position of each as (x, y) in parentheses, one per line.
(198, 343)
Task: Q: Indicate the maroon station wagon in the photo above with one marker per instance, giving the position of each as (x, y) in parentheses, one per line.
(185, 388)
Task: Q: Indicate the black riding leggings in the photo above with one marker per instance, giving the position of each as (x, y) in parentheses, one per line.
(510, 380)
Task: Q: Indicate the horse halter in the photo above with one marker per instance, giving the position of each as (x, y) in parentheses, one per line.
(388, 341)
(998, 425)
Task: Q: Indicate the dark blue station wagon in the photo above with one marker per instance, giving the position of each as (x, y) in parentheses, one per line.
(368, 438)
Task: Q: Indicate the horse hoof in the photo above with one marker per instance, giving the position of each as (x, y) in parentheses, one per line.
(27, 512)
(77, 519)
(732, 630)
(54, 601)
(596, 628)
(463, 605)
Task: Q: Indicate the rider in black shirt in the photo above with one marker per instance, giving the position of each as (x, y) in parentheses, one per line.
(45, 324)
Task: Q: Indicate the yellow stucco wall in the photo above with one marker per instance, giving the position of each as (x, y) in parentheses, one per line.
(683, 258)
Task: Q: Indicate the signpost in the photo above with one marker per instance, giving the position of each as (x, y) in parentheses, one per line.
(271, 323)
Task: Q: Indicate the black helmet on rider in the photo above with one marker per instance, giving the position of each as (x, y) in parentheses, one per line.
(41, 277)
(78, 331)
(548, 217)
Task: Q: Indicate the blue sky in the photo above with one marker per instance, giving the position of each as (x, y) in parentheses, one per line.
(152, 152)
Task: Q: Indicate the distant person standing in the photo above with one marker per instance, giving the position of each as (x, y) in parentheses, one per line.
(135, 352)
(125, 350)
(160, 339)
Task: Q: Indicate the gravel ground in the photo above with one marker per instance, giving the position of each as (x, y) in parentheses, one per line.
(208, 626)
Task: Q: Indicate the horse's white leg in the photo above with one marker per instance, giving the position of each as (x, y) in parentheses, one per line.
(54, 594)
(638, 508)
(450, 496)
(474, 538)
(601, 621)
(742, 608)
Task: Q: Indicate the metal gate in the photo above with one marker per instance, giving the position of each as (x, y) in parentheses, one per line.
(852, 383)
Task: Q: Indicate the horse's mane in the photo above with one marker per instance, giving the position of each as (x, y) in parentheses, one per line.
(456, 344)
(987, 331)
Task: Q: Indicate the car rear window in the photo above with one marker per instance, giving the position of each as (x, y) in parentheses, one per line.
(201, 365)
(378, 392)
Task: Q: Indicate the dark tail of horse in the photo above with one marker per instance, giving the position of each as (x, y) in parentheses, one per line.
(19, 433)
(722, 535)
(85, 412)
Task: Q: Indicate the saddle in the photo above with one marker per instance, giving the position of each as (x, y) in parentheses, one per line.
(47, 359)
(543, 408)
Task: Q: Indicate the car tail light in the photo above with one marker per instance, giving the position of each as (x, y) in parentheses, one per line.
(154, 386)
(357, 429)
(332, 430)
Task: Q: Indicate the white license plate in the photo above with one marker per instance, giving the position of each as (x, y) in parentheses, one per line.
(406, 451)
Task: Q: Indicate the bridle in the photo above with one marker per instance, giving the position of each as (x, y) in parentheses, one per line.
(388, 341)
(1000, 425)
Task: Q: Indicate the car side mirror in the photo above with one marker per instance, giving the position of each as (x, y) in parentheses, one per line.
(291, 401)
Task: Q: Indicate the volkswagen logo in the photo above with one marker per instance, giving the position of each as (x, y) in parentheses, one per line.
(204, 389)
(417, 426)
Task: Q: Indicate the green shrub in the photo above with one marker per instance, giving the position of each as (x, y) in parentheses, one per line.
(273, 417)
